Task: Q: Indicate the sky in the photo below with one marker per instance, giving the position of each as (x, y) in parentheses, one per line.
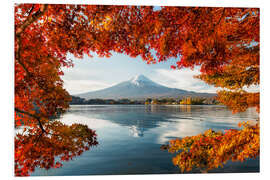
(90, 74)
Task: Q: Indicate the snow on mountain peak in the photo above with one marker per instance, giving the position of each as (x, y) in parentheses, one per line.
(137, 80)
(140, 77)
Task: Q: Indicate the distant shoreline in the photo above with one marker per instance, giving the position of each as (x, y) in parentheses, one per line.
(147, 101)
(148, 104)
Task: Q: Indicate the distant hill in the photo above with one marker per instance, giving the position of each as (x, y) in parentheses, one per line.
(140, 87)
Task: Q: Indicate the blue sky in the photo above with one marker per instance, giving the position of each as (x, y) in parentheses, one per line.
(89, 74)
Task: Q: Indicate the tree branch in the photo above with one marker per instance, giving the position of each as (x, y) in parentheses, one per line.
(220, 17)
(32, 115)
(26, 23)
(31, 10)
(31, 19)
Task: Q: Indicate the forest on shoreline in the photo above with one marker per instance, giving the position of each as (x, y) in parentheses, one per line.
(148, 101)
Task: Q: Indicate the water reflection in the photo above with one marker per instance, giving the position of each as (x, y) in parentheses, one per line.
(185, 108)
(141, 117)
(179, 120)
(60, 142)
(136, 131)
(182, 128)
(130, 137)
(137, 118)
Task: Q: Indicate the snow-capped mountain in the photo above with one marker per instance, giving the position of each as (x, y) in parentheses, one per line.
(141, 80)
(139, 87)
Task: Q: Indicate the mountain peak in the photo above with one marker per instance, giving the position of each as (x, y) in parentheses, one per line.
(138, 87)
(139, 79)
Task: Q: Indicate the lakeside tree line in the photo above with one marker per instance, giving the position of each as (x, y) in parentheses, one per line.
(148, 101)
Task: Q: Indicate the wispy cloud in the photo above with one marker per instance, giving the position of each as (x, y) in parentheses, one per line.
(182, 79)
(79, 73)
(97, 73)
(81, 80)
(81, 86)
(182, 128)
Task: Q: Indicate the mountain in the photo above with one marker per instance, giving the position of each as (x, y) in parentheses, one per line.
(140, 87)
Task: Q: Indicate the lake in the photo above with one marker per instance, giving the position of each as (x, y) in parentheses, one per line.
(129, 137)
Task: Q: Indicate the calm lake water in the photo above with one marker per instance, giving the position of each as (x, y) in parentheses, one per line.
(130, 137)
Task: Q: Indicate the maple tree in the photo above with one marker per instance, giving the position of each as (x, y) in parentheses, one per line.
(34, 148)
(225, 45)
(223, 42)
(213, 149)
(186, 101)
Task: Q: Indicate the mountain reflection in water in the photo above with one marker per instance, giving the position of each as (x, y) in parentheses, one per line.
(130, 137)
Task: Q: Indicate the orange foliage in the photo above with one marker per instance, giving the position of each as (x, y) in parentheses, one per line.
(34, 148)
(240, 101)
(213, 149)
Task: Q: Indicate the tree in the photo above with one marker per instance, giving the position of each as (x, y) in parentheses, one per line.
(34, 148)
(213, 149)
(186, 101)
(154, 101)
(223, 42)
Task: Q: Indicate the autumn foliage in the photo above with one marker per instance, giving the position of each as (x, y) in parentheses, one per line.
(213, 149)
(223, 42)
(36, 149)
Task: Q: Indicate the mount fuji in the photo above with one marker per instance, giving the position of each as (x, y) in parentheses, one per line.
(140, 87)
